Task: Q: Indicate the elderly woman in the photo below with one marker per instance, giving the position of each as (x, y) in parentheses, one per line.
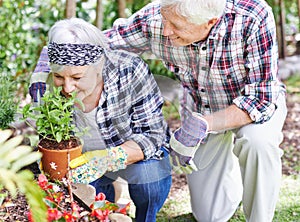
(122, 109)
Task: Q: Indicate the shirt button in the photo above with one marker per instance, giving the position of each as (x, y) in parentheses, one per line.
(206, 106)
(203, 68)
(202, 90)
(204, 48)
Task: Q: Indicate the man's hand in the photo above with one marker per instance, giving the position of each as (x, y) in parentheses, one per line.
(93, 164)
(37, 90)
(39, 77)
(185, 142)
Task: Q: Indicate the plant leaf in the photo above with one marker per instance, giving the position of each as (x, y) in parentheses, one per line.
(10, 144)
(25, 160)
(18, 152)
(4, 135)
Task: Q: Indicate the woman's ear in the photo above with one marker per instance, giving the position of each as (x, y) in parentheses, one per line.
(212, 22)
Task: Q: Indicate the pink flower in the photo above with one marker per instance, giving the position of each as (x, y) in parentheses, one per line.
(43, 181)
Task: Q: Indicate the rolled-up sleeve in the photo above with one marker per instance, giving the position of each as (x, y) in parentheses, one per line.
(148, 125)
(263, 86)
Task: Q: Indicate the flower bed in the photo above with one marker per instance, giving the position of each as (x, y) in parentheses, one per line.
(60, 205)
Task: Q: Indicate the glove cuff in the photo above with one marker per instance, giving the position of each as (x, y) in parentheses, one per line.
(116, 159)
(181, 148)
(86, 157)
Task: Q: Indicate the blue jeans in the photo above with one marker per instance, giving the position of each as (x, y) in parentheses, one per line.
(149, 183)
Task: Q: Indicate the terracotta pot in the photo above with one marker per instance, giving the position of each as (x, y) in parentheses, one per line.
(55, 162)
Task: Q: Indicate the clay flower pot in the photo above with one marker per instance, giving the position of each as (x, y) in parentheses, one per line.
(55, 162)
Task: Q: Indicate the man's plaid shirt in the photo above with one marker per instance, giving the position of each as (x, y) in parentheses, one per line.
(130, 107)
(237, 64)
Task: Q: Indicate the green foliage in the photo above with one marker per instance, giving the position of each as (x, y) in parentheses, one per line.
(170, 111)
(293, 83)
(13, 157)
(138, 4)
(53, 117)
(157, 67)
(8, 101)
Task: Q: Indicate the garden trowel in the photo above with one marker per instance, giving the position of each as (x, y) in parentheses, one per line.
(84, 194)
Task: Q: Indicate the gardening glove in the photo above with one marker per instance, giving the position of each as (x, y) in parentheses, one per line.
(39, 77)
(185, 142)
(37, 90)
(93, 164)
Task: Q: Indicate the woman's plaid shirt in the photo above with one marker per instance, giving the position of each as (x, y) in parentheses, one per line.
(130, 107)
(236, 64)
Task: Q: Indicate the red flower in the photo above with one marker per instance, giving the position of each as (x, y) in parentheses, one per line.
(68, 217)
(100, 196)
(29, 216)
(75, 210)
(54, 214)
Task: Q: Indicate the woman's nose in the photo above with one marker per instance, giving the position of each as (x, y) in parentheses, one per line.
(69, 86)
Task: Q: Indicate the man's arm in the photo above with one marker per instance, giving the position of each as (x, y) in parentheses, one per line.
(229, 118)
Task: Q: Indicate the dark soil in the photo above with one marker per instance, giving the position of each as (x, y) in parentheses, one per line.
(14, 209)
(62, 145)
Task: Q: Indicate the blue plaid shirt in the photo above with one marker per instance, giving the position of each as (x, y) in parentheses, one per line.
(130, 107)
(236, 64)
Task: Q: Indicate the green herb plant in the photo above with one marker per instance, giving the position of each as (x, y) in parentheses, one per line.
(8, 102)
(53, 116)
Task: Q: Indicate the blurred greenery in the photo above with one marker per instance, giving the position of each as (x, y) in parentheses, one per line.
(293, 84)
(24, 25)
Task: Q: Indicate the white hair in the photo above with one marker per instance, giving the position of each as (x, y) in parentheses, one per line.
(76, 31)
(196, 11)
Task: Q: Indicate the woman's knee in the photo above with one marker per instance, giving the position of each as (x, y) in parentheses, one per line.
(149, 198)
(154, 192)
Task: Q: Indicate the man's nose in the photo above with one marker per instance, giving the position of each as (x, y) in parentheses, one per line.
(167, 29)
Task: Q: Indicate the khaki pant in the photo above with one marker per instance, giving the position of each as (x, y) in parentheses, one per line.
(242, 164)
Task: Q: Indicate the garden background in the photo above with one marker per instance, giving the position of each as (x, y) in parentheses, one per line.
(24, 25)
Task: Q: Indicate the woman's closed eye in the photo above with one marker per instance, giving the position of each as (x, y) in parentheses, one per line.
(76, 78)
(57, 76)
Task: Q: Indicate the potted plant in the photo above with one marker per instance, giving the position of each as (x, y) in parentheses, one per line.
(56, 129)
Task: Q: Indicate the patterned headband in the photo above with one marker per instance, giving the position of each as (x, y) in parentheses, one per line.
(74, 54)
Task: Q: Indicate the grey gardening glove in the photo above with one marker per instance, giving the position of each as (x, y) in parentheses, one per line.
(185, 142)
